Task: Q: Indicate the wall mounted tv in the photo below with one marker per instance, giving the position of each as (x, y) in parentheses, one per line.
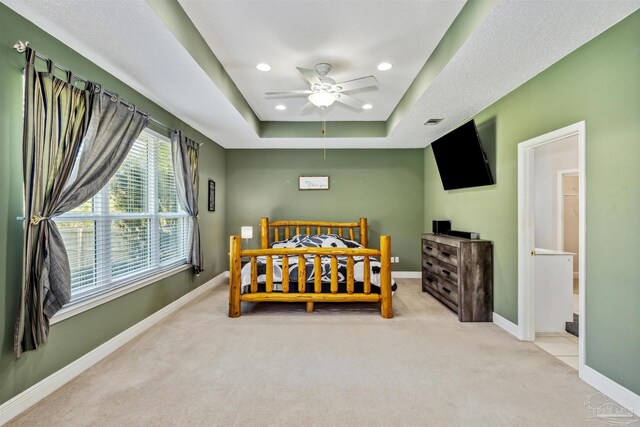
(461, 160)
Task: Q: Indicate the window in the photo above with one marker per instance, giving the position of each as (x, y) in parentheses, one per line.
(132, 229)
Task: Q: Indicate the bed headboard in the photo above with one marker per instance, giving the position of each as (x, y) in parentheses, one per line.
(286, 229)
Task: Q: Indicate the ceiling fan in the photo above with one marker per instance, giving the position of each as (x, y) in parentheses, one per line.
(324, 91)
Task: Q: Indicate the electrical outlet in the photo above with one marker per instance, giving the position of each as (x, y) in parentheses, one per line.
(397, 259)
(393, 260)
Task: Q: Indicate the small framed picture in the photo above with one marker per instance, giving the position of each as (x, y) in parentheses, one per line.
(212, 195)
(313, 183)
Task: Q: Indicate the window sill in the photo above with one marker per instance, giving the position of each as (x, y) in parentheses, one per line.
(84, 305)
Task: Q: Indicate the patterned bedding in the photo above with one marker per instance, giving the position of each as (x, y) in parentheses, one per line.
(322, 241)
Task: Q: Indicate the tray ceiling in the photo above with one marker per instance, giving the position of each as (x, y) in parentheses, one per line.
(353, 36)
(513, 42)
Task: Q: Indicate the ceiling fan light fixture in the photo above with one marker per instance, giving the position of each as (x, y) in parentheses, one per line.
(367, 107)
(384, 66)
(322, 99)
(263, 67)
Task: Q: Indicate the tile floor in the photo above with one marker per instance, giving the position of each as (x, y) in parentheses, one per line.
(562, 345)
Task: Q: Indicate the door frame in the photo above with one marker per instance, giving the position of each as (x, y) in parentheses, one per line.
(526, 321)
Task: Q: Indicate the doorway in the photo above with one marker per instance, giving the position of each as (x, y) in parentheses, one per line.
(545, 257)
(568, 224)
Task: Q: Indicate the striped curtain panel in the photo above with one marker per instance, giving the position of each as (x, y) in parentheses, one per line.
(74, 142)
(185, 152)
(56, 119)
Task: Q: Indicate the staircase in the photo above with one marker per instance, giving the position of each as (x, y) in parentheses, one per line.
(572, 327)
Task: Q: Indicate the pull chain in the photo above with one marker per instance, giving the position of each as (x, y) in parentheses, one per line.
(324, 132)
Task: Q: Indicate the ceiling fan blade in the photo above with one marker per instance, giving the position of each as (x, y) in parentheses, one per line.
(308, 108)
(290, 92)
(310, 75)
(350, 101)
(360, 83)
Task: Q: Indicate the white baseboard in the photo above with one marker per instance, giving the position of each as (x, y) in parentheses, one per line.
(611, 389)
(42, 389)
(406, 274)
(505, 324)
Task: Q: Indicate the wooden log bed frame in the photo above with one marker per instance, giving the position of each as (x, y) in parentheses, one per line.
(340, 228)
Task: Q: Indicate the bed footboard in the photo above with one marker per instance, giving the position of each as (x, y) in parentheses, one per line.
(384, 297)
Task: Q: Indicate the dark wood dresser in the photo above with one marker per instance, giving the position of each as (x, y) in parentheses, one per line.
(459, 273)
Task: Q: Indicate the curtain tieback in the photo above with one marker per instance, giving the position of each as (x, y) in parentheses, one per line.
(36, 219)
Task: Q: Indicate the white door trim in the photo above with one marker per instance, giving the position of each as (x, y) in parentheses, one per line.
(526, 321)
(560, 206)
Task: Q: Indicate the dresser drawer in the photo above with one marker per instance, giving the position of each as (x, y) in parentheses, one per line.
(448, 271)
(448, 290)
(431, 282)
(429, 248)
(430, 264)
(448, 254)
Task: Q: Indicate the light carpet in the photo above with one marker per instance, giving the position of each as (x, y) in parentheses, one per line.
(342, 365)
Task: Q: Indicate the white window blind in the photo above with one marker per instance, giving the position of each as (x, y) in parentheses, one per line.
(132, 229)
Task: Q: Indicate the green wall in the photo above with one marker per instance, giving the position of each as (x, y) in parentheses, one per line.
(598, 83)
(76, 336)
(385, 186)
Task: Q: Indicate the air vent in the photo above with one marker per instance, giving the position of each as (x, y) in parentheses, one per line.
(433, 122)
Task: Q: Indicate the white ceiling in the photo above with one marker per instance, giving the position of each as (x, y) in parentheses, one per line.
(353, 36)
(516, 41)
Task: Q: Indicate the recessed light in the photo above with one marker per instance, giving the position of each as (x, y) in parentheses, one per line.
(281, 107)
(263, 67)
(367, 107)
(384, 66)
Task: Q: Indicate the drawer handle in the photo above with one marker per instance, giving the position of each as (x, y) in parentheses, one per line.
(429, 264)
(429, 248)
(445, 253)
(446, 290)
(446, 272)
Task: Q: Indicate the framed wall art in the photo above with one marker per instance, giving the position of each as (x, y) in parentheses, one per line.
(212, 196)
(313, 183)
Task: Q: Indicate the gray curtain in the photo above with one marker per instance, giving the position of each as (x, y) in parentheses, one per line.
(185, 167)
(55, 121)
(113, 128)
(70, 153)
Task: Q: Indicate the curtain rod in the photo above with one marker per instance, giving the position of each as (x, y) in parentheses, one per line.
(21, 47)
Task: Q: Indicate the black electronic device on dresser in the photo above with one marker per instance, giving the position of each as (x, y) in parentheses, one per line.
(459, 273)
(441, 226)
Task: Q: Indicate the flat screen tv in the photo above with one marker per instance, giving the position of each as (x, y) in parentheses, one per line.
(461, 160)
